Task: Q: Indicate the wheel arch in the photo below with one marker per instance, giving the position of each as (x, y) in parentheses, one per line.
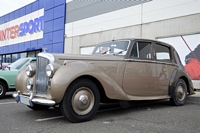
(186, 81)
(5, 82)
(175, 76)
(103, 97)
(172, 86)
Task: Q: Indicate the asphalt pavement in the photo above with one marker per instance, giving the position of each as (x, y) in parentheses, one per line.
(142, 117)
(197, 93)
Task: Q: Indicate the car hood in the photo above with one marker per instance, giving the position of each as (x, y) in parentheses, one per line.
(62, 57)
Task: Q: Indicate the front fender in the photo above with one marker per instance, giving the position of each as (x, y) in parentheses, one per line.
(9, 77)
(66, 74)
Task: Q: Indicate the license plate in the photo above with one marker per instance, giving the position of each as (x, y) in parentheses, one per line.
(24, 100)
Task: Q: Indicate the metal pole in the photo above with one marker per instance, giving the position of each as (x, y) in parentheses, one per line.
(189, 48)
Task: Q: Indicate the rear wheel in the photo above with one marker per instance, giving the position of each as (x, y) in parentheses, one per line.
(180, 93)
(3, 89)
(38, 107)
(81, 101)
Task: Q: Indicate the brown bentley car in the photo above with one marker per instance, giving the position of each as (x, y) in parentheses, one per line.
(119, 70)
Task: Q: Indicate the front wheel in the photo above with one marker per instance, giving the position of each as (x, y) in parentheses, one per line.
(81, 101)
(180, 93)
(2, 89)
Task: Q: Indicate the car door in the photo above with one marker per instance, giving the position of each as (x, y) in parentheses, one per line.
(165, 67)
(140, 76)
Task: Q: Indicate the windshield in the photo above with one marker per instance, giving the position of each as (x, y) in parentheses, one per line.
(19, 63)
(114, 47)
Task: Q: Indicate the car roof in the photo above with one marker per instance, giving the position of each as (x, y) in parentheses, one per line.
(142, 39)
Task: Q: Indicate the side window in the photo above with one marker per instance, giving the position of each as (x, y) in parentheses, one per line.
(162, 53)
(141, 50)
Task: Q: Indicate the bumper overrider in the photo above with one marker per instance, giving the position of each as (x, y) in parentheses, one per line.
(30, 100)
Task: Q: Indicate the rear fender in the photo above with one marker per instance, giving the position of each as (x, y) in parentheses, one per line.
(176, 75)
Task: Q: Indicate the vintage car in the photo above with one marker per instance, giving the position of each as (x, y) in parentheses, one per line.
(119, 70)
(8, 75)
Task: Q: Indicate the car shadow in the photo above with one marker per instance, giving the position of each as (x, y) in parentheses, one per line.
(115, 111)
(105, 111)
(8, 96)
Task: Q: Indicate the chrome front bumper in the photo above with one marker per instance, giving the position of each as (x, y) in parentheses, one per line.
(30, 101)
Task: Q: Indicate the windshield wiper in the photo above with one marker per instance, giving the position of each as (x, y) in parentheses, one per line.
(105, 52)
(120, 52)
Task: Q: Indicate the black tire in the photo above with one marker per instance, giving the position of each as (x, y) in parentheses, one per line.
(3, 89)
(180, 93)
(81, 101)
(39, 107)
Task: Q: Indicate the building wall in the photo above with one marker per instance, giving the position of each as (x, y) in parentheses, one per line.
(52, 36)
(152, 19)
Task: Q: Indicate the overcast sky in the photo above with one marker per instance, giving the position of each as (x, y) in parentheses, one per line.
(7, 6)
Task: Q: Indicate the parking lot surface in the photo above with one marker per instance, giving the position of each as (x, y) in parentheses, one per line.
(142, 117)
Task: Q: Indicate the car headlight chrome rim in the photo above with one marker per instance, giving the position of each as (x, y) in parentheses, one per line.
(49, 70)
(29, 70)
(29, 84)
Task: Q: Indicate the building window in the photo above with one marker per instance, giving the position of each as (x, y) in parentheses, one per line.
(15, 57)
(31, 54)
(23, 55)
(37, 52)
(8, 58)
(4, 58)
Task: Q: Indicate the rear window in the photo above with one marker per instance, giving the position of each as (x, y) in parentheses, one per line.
(162, 53)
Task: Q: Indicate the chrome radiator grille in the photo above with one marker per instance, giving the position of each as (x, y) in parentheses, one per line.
(41, 80)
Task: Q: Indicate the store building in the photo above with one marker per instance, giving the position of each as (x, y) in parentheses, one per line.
(76, 26)
(30, 29)
(91, 22)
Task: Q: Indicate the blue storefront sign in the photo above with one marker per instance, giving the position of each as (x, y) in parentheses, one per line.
(50, 26)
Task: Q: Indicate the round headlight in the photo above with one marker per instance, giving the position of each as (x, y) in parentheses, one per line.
(29, 84)
(49, 70)
(29, 70)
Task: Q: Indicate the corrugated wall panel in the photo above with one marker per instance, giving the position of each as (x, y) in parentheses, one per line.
(79, 9)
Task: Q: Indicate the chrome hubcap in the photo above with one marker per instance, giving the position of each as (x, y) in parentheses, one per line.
(180, 93)
(1, 89)
(83, 101)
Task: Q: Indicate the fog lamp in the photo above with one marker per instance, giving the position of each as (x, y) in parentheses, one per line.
(29, 84)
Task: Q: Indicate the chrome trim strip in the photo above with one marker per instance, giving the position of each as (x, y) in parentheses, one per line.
(148, 98)
(137, 50)
(151, 61)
